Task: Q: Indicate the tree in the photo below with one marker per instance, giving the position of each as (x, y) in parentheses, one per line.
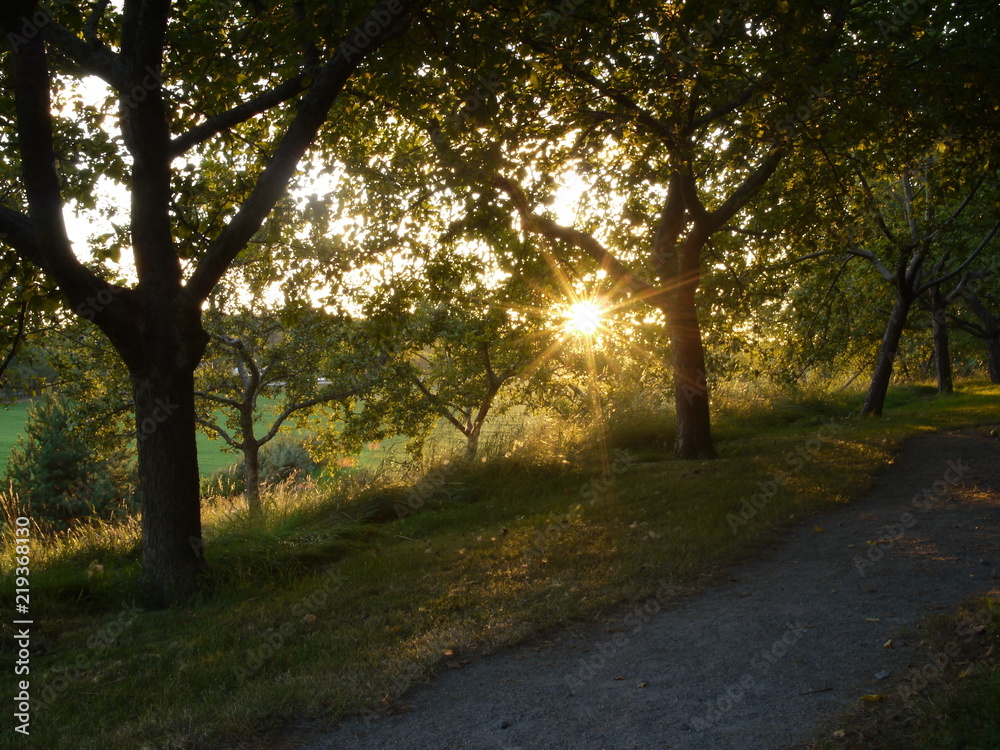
(983, 303)
(920, 231)
(297, 358)
(56, 472)
(176, 94)
(462, 345)
(673, 131)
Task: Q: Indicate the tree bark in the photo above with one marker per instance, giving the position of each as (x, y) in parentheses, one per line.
(875, 400)
(251, 474)
(472, 442)
(172, 561)
(991, 330)
(694, 424)
(942, 351)
(993, 356)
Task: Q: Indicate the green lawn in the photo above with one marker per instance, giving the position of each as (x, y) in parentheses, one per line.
(11, 421)
(211, 455)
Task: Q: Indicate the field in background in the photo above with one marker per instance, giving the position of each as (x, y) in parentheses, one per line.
(213, 454)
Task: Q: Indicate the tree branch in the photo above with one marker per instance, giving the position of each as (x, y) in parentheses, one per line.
(18, 336)
(535, 224)
(238, 114)
(742, 195)
(219, 431)
(884, 272)
(219, 399)
(90, 56)
(43, 240)
(313, 110)
(968, 261)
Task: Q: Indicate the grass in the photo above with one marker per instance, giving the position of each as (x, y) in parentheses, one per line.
(948, 700)
(317, 612)
(12, 419)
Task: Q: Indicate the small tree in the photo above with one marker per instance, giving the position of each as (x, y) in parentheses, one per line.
(296, 359)
(465, 344)
(55, 471)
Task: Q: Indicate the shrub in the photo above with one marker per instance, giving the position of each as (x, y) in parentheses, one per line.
(57, 475)
(285, 457)
(281, 459)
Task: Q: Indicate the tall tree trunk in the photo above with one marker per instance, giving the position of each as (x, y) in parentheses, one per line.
(694, 426)
(991, 328)
(887, 354)
(172, 561)
(993, 356)
(942, 351)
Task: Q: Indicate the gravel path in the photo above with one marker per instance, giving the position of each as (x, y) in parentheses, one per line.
(756, 663)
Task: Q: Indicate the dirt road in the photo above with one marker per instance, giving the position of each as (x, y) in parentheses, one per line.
(756, 663)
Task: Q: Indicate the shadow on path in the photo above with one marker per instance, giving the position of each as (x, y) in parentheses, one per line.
(757, 663)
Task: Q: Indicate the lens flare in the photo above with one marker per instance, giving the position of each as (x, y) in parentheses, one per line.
(583, 318)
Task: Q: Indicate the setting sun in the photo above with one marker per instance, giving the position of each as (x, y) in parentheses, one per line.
(583, 318)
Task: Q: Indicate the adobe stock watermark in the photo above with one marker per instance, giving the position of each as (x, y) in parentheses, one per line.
(901, 16)
(816, 101)
(22, 622)
(738, 690)
(380, 19)
(698, 387)
(30, 28)
(708, 32)
(633, 624)
(921, 502)
(91, 307)
(428, 486)
(301, 614)
(58, 681)
(141, 91)
(162, 411)
(795, 461)
(923, 676)
(592, 492)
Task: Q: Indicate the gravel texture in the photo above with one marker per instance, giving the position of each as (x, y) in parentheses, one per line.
(791, 638)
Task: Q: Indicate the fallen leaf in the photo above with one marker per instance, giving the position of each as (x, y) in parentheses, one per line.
(643, 684)
(839, 734)
(872, 619)
(619, 678)
(888, 644)
(873, 697)
(818, 528)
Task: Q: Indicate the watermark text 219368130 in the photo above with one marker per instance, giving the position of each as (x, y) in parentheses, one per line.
(22, 626)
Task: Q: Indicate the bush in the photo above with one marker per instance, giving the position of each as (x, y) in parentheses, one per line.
(59, 478)
(285, 457)
(281, 459)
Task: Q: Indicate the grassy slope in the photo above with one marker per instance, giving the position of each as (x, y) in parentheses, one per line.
(318, 616)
